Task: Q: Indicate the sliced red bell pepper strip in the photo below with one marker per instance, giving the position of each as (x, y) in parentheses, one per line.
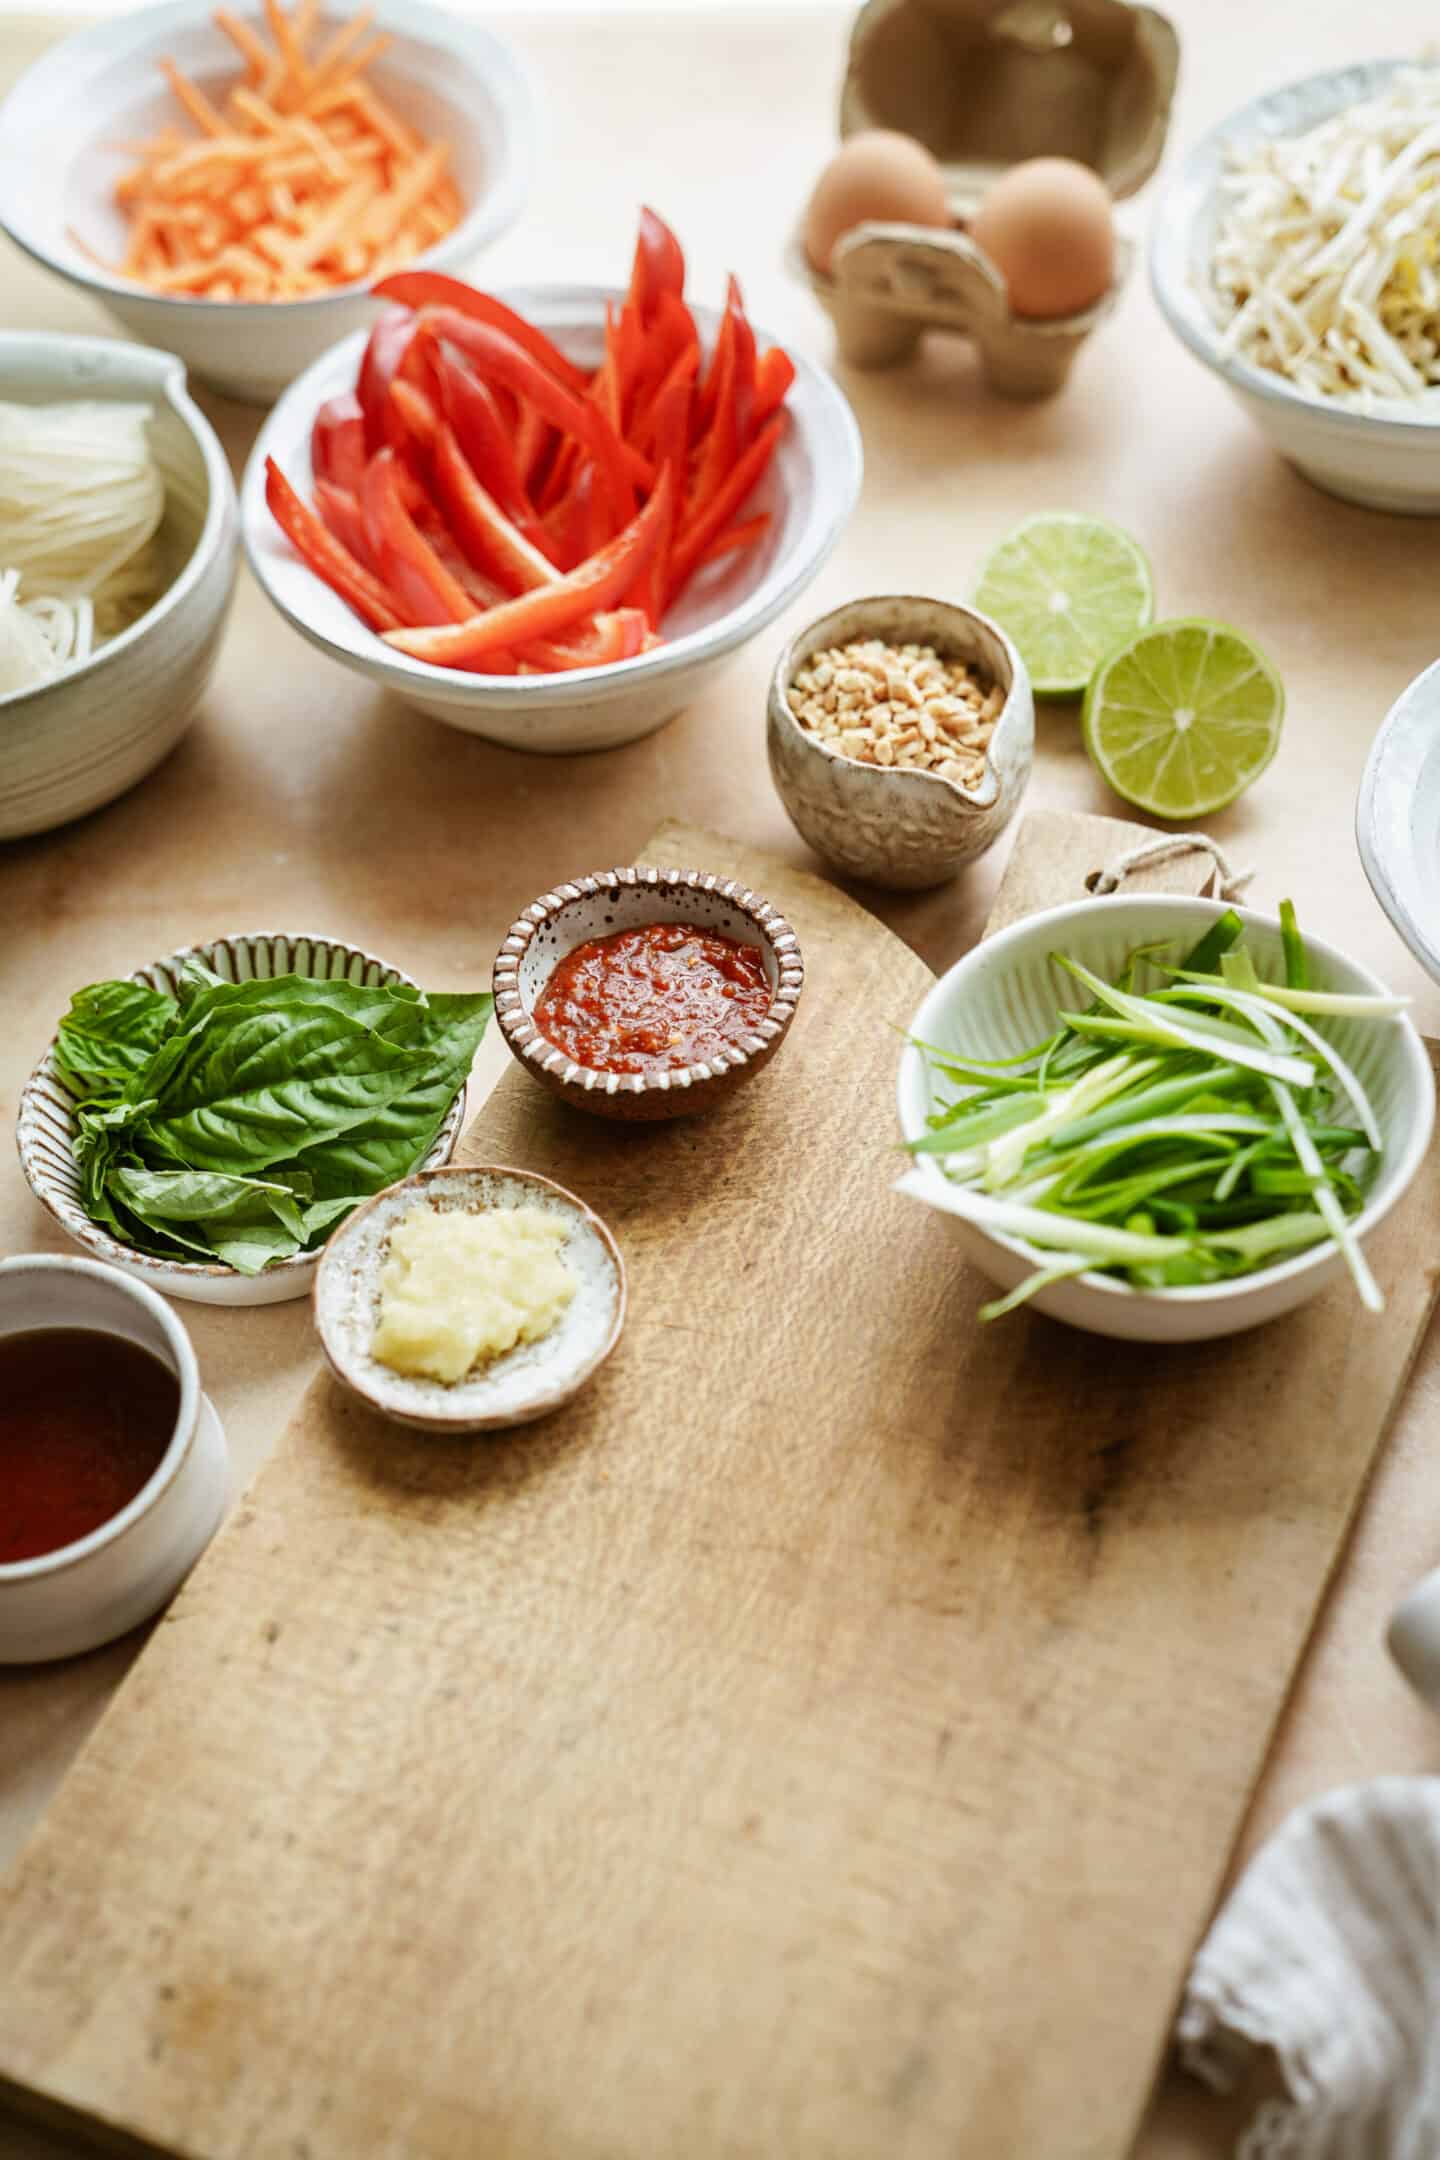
(482, 589)
(410, 417)
(658, 268)
(337, 442)
(341, 513)
(709, 523)
(532, 439)
(774, 374)
(551, 609)
(473, 412)
(736, 538)
(481, 527)
(432, 288)
(650, 427)
(499, 359)
(326, 556)
(568, 524)
(388, 344)
(408, 564)
(647, 595)
(721, 443)
(618, 636)
(744, 349)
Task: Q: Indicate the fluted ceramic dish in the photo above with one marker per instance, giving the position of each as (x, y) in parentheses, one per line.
(527, 1382)
(45, 1132)
(77, 742)
(810, 490)
(86, 1593)
(1397, 817)
(1004, 996)
(611, 900)
(63, 123)
(894, 825)
(1387, 457)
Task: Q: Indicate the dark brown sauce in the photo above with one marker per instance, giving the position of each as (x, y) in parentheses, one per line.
(85, 1419)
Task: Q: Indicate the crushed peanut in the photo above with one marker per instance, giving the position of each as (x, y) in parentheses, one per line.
(899, 705)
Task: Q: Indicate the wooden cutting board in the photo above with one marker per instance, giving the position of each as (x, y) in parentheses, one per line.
(823, 1740)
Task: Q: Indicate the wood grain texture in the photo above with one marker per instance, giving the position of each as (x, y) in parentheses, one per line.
(824, 1739)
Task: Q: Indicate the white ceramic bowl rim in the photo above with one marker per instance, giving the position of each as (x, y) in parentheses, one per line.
(161, 374)
(1397, 1173)
(187, 1417)
(497, 208)
(711, 641)
(1187, 197)
(787, 667)
(100, 1238)
(1388, 799)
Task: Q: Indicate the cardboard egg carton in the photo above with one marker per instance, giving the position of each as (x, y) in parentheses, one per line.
(984, 84)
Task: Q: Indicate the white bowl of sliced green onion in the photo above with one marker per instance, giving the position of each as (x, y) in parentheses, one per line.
(1163, 1119)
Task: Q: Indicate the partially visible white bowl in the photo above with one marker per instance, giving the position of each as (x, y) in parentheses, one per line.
(61, 126)
(45, 1129)
(1397, 817)
(1003, 996)
(84, 1594)
(79, 741)
(1387, 459)
(810, 490)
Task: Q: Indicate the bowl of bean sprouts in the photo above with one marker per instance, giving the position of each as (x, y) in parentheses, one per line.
(1296, 252)
(118, 557)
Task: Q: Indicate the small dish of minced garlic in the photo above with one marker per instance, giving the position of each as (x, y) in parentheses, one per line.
(468, 1299)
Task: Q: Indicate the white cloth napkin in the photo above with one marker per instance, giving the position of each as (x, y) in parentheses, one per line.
(1328, 1951)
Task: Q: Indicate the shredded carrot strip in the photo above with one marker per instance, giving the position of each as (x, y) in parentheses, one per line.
(299, 177)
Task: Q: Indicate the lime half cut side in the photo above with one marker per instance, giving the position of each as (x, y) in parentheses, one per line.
(1066, 589)
(1182, 718)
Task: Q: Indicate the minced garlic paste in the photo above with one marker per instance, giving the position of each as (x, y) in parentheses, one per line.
(458, 1288)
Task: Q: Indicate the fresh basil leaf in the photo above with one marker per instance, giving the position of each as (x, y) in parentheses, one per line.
(272, 1086)
(239, 1212)
(109, 1035)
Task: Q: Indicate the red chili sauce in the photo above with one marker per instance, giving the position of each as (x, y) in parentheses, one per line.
(85, 1419)
(653, 1000)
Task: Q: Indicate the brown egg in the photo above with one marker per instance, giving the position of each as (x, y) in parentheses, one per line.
(1048, 228)
(878, 175)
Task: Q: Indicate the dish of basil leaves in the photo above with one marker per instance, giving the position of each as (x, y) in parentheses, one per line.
(240, 1122)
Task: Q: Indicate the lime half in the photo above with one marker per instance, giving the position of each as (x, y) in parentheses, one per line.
(1067, 589)
(1183, 717)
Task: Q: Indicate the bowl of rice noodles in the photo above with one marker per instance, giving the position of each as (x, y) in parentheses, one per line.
(118, 557)
(1296, 252)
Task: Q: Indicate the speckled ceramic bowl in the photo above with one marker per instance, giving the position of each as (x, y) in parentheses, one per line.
(892, 825)
(63, 124)
(77, 742)
(610, 900)
(809, 492)
(45, 1131)
(526, 1383)
(1387, 457)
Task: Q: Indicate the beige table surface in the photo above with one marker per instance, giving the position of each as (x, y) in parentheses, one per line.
(301, 799)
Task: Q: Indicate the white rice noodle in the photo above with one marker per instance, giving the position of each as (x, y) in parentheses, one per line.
(81, 499)
(1325, 266)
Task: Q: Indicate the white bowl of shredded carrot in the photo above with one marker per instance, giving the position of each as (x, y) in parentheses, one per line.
(230, 185)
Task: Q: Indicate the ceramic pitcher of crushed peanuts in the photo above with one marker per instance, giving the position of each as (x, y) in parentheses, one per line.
(901, 732)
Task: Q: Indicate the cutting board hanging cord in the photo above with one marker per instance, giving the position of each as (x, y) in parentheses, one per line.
(1165, 847)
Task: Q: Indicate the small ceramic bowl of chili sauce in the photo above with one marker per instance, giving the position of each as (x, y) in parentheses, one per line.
(113, 1469)
(646, 994)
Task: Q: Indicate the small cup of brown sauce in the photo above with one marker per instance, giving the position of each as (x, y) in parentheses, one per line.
(113, 1469)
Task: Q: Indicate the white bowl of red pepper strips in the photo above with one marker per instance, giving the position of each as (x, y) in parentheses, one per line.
(549, 520)
(647, 994)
